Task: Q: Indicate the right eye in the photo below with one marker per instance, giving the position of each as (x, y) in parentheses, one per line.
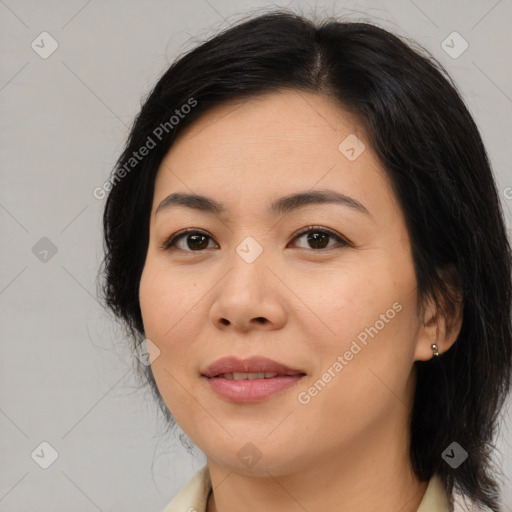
(193, 239)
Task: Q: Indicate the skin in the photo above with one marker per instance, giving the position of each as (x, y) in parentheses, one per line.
(349, 445)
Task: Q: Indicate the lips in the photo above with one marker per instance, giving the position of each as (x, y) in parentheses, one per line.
(251, 380)
(255, 364)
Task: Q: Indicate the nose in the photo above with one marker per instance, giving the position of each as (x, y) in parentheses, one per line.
(249, 296)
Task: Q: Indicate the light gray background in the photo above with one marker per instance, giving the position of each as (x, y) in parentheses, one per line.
(66, 376)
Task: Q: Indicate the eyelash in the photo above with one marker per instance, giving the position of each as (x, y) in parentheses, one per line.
(171, 241)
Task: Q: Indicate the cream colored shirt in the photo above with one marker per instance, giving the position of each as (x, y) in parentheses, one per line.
(194, 496)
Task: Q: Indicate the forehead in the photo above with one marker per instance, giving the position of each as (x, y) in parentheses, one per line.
(281, 119)
(273, 144)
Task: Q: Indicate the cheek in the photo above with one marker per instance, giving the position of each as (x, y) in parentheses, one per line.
(364, 373)
(167, 300)
(368, 313)
(171, 329)
(348, 300)
(152, 295)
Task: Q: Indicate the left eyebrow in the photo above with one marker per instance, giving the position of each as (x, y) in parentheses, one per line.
(280, 206)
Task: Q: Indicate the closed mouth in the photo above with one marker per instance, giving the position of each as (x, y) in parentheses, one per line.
(254, 375)
(252, 368)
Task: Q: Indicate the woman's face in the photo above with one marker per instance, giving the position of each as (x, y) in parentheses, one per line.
(340, 310)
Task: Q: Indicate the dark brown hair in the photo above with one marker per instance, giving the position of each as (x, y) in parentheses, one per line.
(431, 149)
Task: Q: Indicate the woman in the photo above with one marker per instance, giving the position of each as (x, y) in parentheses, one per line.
(304, 230)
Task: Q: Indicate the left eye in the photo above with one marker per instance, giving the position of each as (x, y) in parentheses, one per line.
(317, 237)
(197, 240)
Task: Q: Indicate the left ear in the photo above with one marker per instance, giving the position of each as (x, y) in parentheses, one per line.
(440, 325)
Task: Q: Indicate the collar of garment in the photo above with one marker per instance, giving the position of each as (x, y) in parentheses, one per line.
(194, 496)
